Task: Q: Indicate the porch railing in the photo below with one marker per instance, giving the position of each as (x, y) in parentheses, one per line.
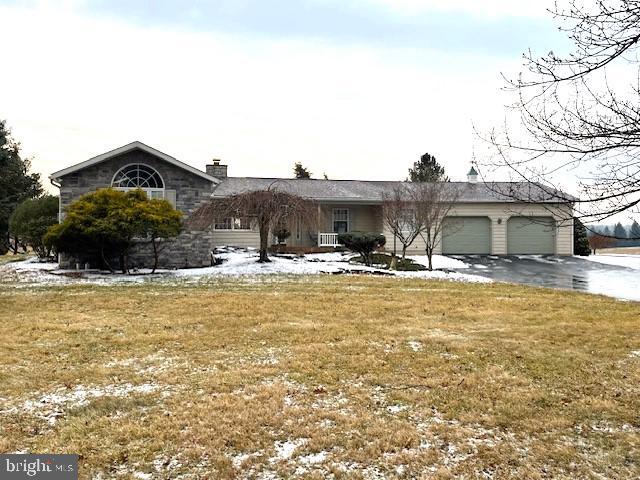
(328, 240)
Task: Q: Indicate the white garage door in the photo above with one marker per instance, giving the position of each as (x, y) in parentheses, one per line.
(531, 235)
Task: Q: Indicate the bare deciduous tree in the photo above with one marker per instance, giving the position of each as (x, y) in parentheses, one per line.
(433, 202)
(398, 214)
(598, 241)
(265, 208)
(579, 113)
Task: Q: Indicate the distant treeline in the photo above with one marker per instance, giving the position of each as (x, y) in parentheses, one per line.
(624, 235)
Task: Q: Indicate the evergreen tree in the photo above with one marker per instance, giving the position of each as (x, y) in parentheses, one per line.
(31, 220)
(300, 172)
(427, 170)
(606, 231)
(580, 239)
(105, 224)
(619, 231)
(634, 233)
(16, 184)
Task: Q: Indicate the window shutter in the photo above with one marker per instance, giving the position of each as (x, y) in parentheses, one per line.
(170, 196)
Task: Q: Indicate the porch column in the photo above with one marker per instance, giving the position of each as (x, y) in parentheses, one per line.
(319, 222)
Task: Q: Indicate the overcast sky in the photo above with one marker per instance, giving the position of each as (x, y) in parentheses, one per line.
(350, 88)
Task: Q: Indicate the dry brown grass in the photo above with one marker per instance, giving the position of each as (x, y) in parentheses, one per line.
(619, 250)
(366, 377)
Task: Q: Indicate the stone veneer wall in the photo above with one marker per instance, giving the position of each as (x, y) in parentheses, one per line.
(190, 249)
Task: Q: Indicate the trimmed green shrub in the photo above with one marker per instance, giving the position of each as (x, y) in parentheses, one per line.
(106, 223)
(385, 259)
(364, 243)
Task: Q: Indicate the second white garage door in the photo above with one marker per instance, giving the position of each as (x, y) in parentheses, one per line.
(466, 235)
(531, 235)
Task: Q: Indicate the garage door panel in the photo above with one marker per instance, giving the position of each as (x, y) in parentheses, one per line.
(531, 236)
(466, 235)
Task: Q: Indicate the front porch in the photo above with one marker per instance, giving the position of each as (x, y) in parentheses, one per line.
(334, 219)
(329, 239)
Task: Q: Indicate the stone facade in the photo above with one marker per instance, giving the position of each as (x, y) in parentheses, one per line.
(191, 248)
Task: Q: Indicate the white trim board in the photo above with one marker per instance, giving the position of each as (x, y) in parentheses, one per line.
(127, 148)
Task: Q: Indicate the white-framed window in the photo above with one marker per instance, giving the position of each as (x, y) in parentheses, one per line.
(340, 220)
(139, 175)
(222, 223)
(407, 218)
(242, 223)
(229, 223)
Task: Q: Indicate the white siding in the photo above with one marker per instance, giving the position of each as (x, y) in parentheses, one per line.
(369, 218)
(499, 213)
(236, 238)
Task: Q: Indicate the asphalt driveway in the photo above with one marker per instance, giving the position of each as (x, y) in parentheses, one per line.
(557, 272)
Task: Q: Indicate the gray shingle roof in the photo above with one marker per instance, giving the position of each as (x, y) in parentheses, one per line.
(368, 191)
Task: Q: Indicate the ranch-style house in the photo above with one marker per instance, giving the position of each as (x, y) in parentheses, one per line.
(486, 221)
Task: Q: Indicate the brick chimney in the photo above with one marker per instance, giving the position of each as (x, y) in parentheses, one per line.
(217, 170)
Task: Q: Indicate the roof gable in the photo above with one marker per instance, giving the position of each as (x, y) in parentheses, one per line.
(128, 148)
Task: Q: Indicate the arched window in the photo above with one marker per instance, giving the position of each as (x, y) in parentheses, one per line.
(139, 175)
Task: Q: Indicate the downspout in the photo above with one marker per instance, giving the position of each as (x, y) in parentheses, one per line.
(58, 186)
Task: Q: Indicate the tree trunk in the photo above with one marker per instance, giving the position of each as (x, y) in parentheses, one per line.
(404, 250)
(155, 255)
(264, 243)
(124, 263)
(104, 260)
(14, 245)
(429, 258)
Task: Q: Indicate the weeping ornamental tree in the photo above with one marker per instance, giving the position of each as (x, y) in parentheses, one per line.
(267, 210)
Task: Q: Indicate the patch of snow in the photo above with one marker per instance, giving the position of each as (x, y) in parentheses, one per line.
(396, 408)
(313, 458)
(326, 423)
(440, 275)
(635, 354)
(34, 264)
(143, 476)
(238, 460)
(286, 449)
(51, 406)
(439, 261)
(415, 345)
(160, 464)
(620, 284)
(619, 260)
(329, 257)
(236, 262)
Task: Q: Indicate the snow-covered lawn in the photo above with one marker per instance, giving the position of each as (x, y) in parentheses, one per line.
(237, 262)
(621, 260)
